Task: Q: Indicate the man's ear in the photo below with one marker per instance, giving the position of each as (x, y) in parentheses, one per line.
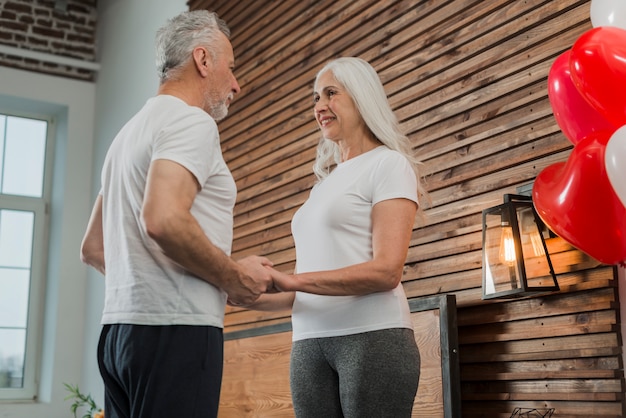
(202, 60)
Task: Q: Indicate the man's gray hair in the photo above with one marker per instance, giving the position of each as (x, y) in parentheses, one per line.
(176, 40)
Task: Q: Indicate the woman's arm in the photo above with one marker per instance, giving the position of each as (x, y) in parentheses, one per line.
(392, 226)
(270, 302)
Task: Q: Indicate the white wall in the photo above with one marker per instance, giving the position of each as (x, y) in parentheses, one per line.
(90, 114)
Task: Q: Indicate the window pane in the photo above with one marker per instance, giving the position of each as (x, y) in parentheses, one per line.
(14, 286)
(16, 238)
(16, 232)
(24, 157)
(24, 168)
(12, 348)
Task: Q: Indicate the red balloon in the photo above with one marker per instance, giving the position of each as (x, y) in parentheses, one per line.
(577, 202)
(598, 70)
(574, 115)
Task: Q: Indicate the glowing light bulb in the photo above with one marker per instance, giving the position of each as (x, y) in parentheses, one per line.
(507, 246)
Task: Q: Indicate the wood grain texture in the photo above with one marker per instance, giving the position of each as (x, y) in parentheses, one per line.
(468, 81)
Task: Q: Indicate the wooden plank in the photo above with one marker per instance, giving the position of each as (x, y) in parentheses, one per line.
(429, 398)
(256, 377)
(543, 348)
(546, 396)
(577, 368)
(261, 239)
(557, 326)
(542, 307)
(548, 388)
(273, 220)
(253, 322)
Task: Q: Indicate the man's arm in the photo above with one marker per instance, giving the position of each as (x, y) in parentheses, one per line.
(169, 195)
(92, 247)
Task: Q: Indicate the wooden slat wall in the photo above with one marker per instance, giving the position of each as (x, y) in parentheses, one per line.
(468, 80)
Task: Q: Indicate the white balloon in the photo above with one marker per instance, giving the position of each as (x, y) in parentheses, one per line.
(615, 162)
(608, 13)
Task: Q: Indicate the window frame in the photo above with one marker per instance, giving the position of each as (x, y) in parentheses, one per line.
(39, 206)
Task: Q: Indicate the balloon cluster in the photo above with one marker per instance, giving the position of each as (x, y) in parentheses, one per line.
(583, 200)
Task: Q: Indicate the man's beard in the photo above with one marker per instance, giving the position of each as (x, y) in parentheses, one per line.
(217, 108)
(218, 111)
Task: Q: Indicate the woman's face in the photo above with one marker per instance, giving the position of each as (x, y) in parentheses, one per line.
(335, 111)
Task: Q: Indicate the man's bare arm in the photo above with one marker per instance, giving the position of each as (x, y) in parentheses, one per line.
(92, 246)
(166, 214)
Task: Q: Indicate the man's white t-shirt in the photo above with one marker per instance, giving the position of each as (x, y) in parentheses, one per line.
(143, 286)
(333, 229)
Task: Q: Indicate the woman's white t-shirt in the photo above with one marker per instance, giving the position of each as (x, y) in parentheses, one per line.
(333, 229)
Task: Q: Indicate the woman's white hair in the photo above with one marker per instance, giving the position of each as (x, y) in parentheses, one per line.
(176, 40)
(362, 83)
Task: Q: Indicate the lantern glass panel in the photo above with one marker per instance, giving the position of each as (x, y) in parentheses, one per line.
(500, 261)
(532, 231)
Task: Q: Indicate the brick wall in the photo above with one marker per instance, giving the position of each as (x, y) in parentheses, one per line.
(50, 28)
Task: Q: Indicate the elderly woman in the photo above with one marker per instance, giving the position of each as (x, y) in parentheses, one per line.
(354, 352)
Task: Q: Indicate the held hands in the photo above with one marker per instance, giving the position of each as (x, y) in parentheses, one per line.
(265, 279)
(282, 282)
(253, 282)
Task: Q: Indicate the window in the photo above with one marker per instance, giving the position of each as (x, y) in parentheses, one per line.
(25, 170)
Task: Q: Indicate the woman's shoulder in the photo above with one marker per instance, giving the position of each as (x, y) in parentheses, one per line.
(386, 155)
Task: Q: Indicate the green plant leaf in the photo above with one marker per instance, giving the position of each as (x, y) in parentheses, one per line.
(80, 400)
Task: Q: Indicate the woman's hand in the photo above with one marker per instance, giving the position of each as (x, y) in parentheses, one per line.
(283, 282)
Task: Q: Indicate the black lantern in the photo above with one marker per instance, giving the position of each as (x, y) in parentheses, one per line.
(516, 262)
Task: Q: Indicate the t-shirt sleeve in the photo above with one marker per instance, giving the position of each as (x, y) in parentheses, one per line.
(192, 142)
(394, 178)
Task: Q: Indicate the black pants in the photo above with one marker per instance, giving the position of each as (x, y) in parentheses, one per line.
(161, 371)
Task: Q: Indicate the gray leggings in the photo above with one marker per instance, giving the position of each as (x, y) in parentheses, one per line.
(372, 374)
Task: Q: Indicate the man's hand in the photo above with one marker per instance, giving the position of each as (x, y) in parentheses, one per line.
(254, 280)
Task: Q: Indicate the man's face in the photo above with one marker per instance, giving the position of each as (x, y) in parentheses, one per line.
(221, 84)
